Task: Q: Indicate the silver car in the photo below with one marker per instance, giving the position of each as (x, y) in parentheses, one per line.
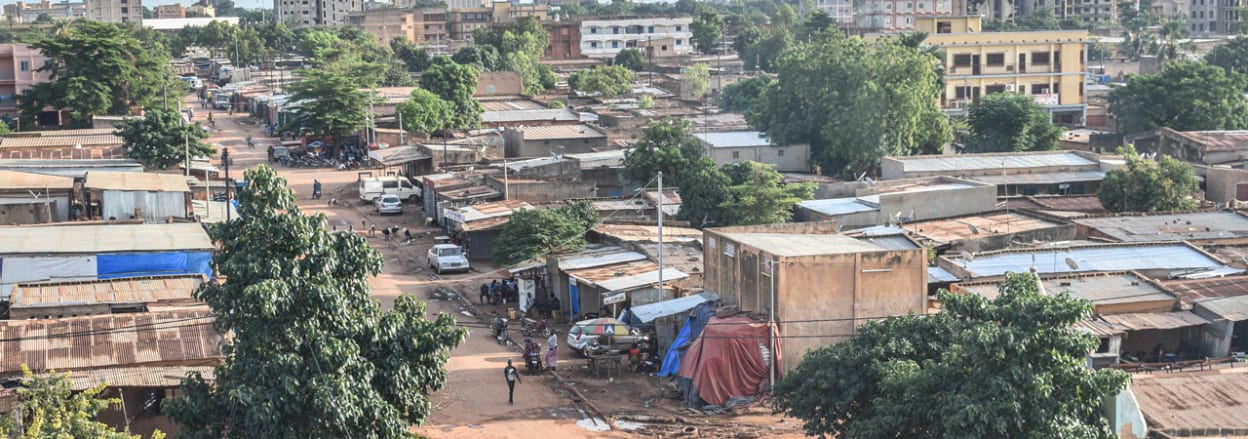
(447, 257)
(388, 204)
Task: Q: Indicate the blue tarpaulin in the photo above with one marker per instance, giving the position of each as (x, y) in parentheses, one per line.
(119, 265)
(692, 329)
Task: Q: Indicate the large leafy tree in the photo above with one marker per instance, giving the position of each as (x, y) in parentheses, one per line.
(854, 102)
(1148, 186)
(535, 232)
(161, 139)
(416, 58)
(758, 195)
(482, 56)
(49, 408)
(669, 146)
(455, 83)
(311, 354)
(631, 59)
(1008, 122)
(740, 96)
(328, 103)
(1184, 96)
(519, 47)
(707, 30)
(1011, 367)
(97, 68)
(606, 81)
(424, 112)
(697, 81)
(1231, 56)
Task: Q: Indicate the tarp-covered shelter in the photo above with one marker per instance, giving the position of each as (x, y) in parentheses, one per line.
(728, 362)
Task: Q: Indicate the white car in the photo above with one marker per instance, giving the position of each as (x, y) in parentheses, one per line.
(447, 257)
(389, 203)
(589, 344)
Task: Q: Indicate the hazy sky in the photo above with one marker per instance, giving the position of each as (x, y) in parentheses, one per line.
(268, 4)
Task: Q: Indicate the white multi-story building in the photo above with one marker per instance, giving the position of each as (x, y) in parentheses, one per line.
(22, 12)
(892, 16)
(115, 11)
(841, 11)
(316, 12)
(607, 37)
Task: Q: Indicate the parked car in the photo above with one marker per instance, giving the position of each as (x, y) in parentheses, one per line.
(447, 257)
(581, 338)
(389, 203)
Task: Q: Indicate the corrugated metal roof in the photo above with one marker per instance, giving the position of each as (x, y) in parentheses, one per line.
(149, 376)
(483, 211)
(648, 312)
(940, 275)
(101, 238)
(1175, 227)
(1196, 290)
(1230, 308)
(1041, 177)
(1109, 288)
(1100, 328)
(136, 181)
(874, 231)
(61, 141)
(639, 280)
(1087, 258)
(1193, 403)
(608, 272)
(605, 159)
(10, 180)
(686, 257)
(542, 115)
(109, 341)
(896, 242)
(636, 233)
(1160, 320)
(796, 245)
(510, 105)
(973, 162)
(69, 167)
(599, 258)
(838, 206)
(126, 290)
(735, 139)
(1210, 273)
(398, 155)
(558, 132)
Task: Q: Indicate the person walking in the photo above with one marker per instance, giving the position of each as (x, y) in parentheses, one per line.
(552, 350)
(316, 189)
(513, 377)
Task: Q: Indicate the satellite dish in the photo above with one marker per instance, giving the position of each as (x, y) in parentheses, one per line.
(1072, 264)
(968, 256)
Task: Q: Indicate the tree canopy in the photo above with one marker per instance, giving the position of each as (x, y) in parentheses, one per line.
(424, 112)
(96, 68)
(669, 146)
(162, 140)
(758, 195)
(707, 30)
(1149, 186)
(311, 354)
(519, 46)
(697, 81)
(1231, 56)
(1011, 367)
(416, 58)
(328, 103)
(456, 84)
(631, 59)
(534, 232)
(49, 408)
(1008, 122)
(740, 96)
(482, 56)
(606, 81)
(854, 102)
(1184, 96)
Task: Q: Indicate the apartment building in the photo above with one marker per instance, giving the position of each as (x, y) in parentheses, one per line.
(565, 39)
(175, 10)
(465, 20)
(198, 10)
(841, 11)
(22, 12)
(115, 11)
(506, 12)
(415, 25)
(897, 16)
(1049, 66)
(316, 12)
(18, 71)
(604, 38)
(1089, 11)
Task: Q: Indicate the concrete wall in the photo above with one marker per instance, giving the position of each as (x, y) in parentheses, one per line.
(892, 168)
(939, 204)
(1221, 183)
(515, 145)
(499, 84)
(787, 158)
(22, 208)
(538, 191)
(561, 170)
(1060, 232)
(1123, 412)
(609, 181)
(156, 207)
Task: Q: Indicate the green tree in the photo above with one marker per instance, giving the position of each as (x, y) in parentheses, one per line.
(416, 58)
(758, 195)
(534, 232)
(1008, 122)
(631, 59)
(161, 139)
(455, 84)
(606, 81)
(425, 112)
(328, 103)
(697, 81)
(739, 97)
(311, 353)
(854, 102)
(49, 408)
(1184, 96)
(1148, 186)
(1099, 51)
(669, 146)
(484, 57)
(1231, 56)
(96, 68)
(707, 30)
(1011, 367)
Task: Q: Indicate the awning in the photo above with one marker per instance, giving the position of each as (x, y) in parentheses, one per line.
(524, 266)
(648, 312)
(1161, 320)
(397, 155)
(624, 283)
(1211, 273)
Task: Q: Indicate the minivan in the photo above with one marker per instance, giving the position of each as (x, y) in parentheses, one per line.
(373, 187)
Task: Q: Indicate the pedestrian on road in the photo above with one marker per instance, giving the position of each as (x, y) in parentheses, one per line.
(512, 377)
(316, 189)
(552, 350)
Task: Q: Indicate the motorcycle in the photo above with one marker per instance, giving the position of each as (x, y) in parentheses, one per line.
(530, 328)
(500, 329)
(533, 360)
(646, 359)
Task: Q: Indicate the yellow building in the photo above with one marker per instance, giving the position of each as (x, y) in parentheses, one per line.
(1049, 66)
(415, 25)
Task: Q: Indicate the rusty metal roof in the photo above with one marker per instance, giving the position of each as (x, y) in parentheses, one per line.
(1160, 320)
(10, 180)
(94, 342)
(599, 274)
(1196, 290)
(87, 152)
(136, 181)
(1217, 140)
(1177, 403)
(1098, 327)
(126, 290)
(639, 233)
(98, 238)
(60, 141)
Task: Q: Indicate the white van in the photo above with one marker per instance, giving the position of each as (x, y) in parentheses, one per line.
(373, 187)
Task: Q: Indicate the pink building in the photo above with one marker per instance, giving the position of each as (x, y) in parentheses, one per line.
(18, 71)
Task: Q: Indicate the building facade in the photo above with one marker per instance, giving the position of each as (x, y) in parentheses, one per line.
(115, 11)
(893, 16)
(565, 39)
(316, 12)
(464, 21)
(416, 25)
(198, 10)
(840, 11)
(19, 65)
(171, 11)
(22, 12)
(738, 146)
(607, 37)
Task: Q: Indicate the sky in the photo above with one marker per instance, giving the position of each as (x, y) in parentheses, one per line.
(267, 4)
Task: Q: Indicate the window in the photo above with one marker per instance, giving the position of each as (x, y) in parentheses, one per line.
(677, 28)
(679, 43)
(615, 30)
(25, 66)
(663, 48)
(994, 89)
(125, 10)
(593, 30)
(593, 44)
(996, 59)
(650, 29)
(1040, 58)
(965, 92)
(962, 60)
(1039, 89)
(736, 154)
(780, 153)
(615, 44)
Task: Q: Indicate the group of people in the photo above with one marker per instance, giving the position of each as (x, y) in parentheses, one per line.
(507, 290)
(531, 350)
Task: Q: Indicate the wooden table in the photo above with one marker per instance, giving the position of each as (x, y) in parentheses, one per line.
(606, 365)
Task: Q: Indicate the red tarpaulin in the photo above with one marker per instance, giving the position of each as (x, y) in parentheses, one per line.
(727, 361)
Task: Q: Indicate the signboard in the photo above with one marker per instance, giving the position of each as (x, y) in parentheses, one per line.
(452, 214)
(1046, 99)
(527, 290)
(613, 297)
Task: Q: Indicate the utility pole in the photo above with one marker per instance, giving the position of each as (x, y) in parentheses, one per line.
(660, 212)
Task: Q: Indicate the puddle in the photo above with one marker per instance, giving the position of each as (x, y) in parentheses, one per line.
(594, 424)
(628, 425)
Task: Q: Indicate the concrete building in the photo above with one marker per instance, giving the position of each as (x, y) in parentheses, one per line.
(27, 198)
(555, 139)
(1195, 227)
(19, 65)
(1224, 301)
(23, 12)
(198, 10)
(465, 20)
(1021, 173)
(153, 198)
(1155, 260)
(115, 11)
(565, 39)
(738, 146)
(529, 117)
(415, 25)
(316, 12)
(1090, 11)
(1197, 147)
(603, 277)
(478, 225)
(904, 201)
(898, 16)
(175, 10)
(821, 285)
(1228, 17)
(1048, 66)
(604, 38)
(840, 11)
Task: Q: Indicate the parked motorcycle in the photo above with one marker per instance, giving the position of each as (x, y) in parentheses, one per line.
(531, 328)
(500, 329)
(533, 360)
